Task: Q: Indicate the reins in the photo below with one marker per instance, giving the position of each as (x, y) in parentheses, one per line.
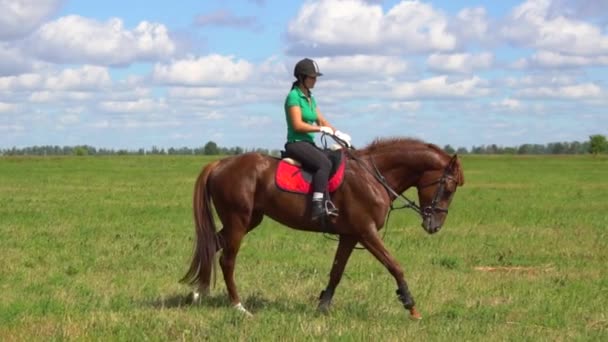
(379, 177)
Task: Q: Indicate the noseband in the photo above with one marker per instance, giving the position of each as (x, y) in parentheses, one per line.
(431, 209)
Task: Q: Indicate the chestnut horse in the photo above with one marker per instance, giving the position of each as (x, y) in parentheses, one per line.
(242, 189)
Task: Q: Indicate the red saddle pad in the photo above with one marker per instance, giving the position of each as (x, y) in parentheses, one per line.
(292, 178)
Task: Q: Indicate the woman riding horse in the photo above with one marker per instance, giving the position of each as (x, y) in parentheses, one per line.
(303, 119)
(243, 190)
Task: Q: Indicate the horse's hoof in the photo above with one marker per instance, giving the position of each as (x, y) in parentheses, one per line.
(194, 298)
(415, 315)
(240, 308)
(323, 308)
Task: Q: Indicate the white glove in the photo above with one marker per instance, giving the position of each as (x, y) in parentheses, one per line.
(326, 130)
(344, 137)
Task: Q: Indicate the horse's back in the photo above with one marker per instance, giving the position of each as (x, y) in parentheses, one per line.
(241, 175)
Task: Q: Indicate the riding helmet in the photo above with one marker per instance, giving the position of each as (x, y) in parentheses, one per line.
(306, 67)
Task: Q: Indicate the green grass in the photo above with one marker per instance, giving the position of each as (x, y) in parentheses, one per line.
(91, 248)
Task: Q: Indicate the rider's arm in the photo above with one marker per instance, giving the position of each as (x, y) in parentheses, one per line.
(295, 116)
(321, 121)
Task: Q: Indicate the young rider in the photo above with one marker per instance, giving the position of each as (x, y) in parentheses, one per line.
(303, 120)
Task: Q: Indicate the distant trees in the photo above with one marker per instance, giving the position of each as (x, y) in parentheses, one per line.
(596, 144)
(211, 149)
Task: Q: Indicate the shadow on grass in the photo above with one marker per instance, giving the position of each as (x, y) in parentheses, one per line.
(254, 303)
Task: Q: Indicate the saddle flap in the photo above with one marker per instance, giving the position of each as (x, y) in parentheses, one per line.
(291, 177)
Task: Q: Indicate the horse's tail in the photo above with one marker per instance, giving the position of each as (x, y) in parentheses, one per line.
(206, 245)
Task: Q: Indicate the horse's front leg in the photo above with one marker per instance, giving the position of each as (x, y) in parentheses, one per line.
(345, 248)
(374, 244)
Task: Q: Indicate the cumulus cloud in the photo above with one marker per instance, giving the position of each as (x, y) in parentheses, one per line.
(548, 59)
(531, 25)
(87, 77)
(203, 71)
(507, 104)
(134, 106)
(195, 93)
(18, 18)
(442, 87)
(362, 66)
(13, 61)
(460, 62)
(227, 18)
(334, 27)
(569, 92)
(7, 107)
(75, 39)
(579, 8)
(471, 25)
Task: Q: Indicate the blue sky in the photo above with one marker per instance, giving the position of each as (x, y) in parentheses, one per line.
(137, 74)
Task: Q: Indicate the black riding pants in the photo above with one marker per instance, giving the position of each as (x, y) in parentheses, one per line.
(313, 160)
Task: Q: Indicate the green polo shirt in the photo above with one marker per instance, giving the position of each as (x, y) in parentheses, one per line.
(309, 114)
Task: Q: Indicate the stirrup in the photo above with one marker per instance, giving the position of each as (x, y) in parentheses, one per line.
(330, 208)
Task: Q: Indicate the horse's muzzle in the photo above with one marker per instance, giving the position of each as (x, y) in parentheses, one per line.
(431, 224)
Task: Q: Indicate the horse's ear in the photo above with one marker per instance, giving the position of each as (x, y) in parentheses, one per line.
(453, 161)
(456, 168)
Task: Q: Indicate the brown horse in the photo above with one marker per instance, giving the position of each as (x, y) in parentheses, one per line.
(242, 189)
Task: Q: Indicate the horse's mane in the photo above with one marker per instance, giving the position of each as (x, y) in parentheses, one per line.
(388, 144)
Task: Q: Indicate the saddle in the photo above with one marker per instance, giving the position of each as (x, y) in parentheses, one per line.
(292, 177)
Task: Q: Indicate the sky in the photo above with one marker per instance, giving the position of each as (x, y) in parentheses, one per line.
(138, 74)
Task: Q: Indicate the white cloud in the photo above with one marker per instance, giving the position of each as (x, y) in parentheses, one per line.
(255, 121)
(13, 61)
(75, 39)
(7, 107)
(361, 66)
(68, 119)
(333, 27)
(530, 25)
(204, 71)
(87, 77)
(195, 93)
(21, 82)
(407, 106)
(569, 92)
(20, 17)
(134, 106)
(460, 62)
(50, 97)
(548, 59)
(507, 104)
(471, 24)
(441, 87)
(12, 128)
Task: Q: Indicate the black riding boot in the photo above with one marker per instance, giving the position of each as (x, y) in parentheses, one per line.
(318, 209)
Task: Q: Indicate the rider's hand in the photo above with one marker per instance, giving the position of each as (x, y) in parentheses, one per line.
(326, 130)
(344, 137)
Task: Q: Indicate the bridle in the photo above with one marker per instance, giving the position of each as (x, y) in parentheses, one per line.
(434, 207)
(424, 212)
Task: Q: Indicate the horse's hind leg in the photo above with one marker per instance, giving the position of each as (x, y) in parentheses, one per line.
(235, 228)
(345, 248)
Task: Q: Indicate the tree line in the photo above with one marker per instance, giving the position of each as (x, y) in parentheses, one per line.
(597, 144)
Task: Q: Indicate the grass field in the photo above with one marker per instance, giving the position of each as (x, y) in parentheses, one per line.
(91, 248)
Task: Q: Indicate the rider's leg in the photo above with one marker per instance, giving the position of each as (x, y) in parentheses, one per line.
(317, 162)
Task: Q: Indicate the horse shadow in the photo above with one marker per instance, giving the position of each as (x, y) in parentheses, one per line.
(254, 303)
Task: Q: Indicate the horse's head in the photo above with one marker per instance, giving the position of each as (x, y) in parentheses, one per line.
(436, 189)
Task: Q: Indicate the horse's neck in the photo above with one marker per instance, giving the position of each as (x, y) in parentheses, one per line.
(403, 168)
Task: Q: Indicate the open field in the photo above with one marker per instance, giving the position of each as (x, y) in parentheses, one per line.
(91, 248)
